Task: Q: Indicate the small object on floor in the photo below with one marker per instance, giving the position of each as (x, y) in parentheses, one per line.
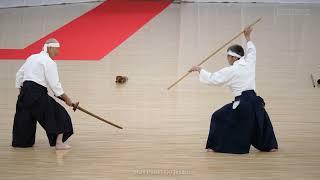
(121, 79)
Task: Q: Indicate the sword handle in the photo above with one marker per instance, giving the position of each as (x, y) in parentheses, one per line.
(75, 106)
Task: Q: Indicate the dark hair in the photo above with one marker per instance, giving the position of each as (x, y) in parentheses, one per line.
(236, 49)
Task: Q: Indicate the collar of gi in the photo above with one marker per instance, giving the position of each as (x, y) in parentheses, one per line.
(241, 61)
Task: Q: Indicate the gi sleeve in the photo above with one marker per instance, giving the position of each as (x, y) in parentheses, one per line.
(250, 52)
(19, 77)
(52, 77)
(218, 78)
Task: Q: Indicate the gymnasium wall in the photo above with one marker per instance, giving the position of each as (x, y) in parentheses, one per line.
(258, 1)
(22, 3)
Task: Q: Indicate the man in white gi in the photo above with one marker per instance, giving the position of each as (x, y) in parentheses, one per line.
(38, 73)
(244, 122)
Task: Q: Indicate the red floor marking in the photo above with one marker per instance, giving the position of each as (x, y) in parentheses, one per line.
(97, 32)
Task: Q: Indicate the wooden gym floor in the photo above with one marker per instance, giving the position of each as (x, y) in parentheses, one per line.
(164, 131)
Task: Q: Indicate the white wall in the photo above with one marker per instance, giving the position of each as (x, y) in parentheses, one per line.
(19, 3)
(258, 1)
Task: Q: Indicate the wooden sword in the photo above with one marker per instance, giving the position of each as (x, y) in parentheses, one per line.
(76, 106)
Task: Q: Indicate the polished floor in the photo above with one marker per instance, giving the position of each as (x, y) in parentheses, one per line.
(164, 131)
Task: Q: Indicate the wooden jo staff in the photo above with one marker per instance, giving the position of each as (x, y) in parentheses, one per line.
(215, 52)
(76, 106)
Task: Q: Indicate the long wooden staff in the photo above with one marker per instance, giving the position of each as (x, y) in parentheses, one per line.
(76, 106)
(215, 52)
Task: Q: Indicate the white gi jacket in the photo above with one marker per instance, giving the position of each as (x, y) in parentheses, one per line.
(238, 77)
(41, 69)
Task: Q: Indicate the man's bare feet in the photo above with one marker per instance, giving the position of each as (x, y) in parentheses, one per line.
(273, 150)
(62, 146)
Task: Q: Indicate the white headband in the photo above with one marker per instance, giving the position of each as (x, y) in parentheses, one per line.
(233, 54)
(45, 46)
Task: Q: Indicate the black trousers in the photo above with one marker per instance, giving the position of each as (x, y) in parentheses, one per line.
(235, 130)
(35, 105)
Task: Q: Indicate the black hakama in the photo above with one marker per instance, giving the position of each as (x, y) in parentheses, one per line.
(234, 130)
(34, 104)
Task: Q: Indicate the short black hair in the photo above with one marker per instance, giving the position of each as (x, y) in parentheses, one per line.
(236, 48)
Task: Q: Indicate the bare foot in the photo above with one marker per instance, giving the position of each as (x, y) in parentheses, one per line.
(273, 150)
(62, 146)
(210, 150)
